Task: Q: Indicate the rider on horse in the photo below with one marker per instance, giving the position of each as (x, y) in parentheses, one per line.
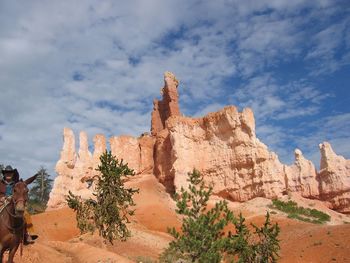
(10, 178)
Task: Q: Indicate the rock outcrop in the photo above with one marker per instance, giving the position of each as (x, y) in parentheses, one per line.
(168, 106)
(83, 167)
(334, 179)
(301, 177)
(221, 145)
(64, 168)
(76, 173)
(137, 152)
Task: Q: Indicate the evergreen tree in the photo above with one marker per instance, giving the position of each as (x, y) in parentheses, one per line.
(202, 233)
(40, 191)
(84, 212)
(203, 237)
(110, 210)
(267, 247)
(238, 243)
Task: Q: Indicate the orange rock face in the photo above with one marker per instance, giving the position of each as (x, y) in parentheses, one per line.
(64, 169)
(136, 152)
(301, 177)
(168, 106)
(76, 173)
(334, 178)
(221, 145)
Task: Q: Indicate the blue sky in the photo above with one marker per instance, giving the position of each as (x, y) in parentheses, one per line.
(98, 65)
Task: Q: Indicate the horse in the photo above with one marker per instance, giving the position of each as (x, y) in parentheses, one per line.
(12, 223)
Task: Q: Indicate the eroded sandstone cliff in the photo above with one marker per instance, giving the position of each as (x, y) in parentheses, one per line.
(76, 173)
(221, 145)
(334, 179)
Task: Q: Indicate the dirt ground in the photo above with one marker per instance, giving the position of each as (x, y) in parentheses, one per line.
(60, 241)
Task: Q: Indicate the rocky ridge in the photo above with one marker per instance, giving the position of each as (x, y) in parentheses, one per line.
(221, 145)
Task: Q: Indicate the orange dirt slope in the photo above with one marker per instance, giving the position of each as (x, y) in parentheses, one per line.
(60, 241)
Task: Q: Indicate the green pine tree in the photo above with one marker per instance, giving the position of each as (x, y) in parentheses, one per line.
(40, 191)
(84, 212)
(203, 237)
(239, 243)
(202, 233)
(110, 210)
(267, 247)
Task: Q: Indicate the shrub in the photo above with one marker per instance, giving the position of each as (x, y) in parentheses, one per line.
(203, 237)
(300, 213)
(110, 210)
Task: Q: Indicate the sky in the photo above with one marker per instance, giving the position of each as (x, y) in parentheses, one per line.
(97, 65)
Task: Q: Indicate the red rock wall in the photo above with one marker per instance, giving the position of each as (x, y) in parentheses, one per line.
(221, 145)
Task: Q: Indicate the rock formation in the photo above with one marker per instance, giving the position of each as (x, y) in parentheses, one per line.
(64, 168)
(334, 179)
(83, 167)
(137, 152)
(301, 177)
(168, 106)
(221, 145)
(77, 173)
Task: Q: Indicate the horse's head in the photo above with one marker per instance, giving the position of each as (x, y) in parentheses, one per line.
(20, 194)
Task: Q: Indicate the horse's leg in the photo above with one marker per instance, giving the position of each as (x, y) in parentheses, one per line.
(2, 251)
(12, 253)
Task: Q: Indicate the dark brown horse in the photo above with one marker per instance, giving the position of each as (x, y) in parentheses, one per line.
(12, 223)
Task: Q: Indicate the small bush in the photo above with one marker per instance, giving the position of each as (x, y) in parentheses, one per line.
(300, 213)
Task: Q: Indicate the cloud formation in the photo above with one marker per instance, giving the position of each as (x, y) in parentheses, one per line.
(96, 65)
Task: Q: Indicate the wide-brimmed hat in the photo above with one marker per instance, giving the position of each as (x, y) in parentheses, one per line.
(9, 169)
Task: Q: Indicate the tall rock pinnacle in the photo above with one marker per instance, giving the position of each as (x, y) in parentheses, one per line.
(168, 106)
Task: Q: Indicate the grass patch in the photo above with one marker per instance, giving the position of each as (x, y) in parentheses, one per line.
(301, 213)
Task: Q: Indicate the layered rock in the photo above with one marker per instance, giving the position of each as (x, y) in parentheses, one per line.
(301, 177)
(64, 169)
(221, 145)
(100, 147)
(83, 167)
(136, 152)
(224, 148)
(334, 179)
(162, 160)
(77, 173)
(168, 106)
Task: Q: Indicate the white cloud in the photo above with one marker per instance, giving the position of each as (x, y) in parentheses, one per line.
(119, 50)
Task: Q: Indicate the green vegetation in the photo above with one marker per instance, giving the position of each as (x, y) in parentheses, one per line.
(84, 212)
(40, 192)
(300, 213)
(109, 211)
(203, 237)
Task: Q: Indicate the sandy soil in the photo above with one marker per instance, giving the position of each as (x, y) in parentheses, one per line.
(60, 240)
